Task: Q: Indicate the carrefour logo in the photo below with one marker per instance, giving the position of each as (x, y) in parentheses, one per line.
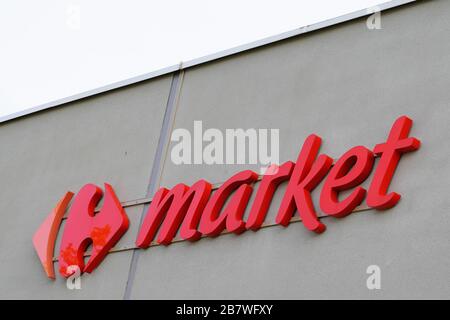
(203, 210)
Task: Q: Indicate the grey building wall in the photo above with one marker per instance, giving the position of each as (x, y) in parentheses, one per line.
(107, 138)
(345, 83)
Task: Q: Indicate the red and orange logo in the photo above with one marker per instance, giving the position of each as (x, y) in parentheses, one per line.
(83, 227)
(196, 212)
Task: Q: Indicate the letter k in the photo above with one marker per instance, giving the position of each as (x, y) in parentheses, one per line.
(307, 174)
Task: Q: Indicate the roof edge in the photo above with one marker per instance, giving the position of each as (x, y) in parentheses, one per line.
(207, 58)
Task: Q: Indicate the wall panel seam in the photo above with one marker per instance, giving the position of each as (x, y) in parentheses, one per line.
(155, 174)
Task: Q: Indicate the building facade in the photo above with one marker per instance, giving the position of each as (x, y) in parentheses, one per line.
(343, 82)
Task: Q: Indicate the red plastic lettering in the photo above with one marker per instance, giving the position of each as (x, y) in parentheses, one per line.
(189, 227)
(307, 174)
(390, 151)
(169, 208)
(349, 171)
(264, 195)
(213, 222)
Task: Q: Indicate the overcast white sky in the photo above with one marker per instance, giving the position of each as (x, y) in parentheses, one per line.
(51, 49)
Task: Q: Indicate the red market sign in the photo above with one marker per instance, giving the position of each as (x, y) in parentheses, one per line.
(195, 211)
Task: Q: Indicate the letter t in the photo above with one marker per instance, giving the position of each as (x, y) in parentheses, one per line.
(390, 151)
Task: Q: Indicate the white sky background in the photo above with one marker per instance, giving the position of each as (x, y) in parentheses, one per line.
(48, 51)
